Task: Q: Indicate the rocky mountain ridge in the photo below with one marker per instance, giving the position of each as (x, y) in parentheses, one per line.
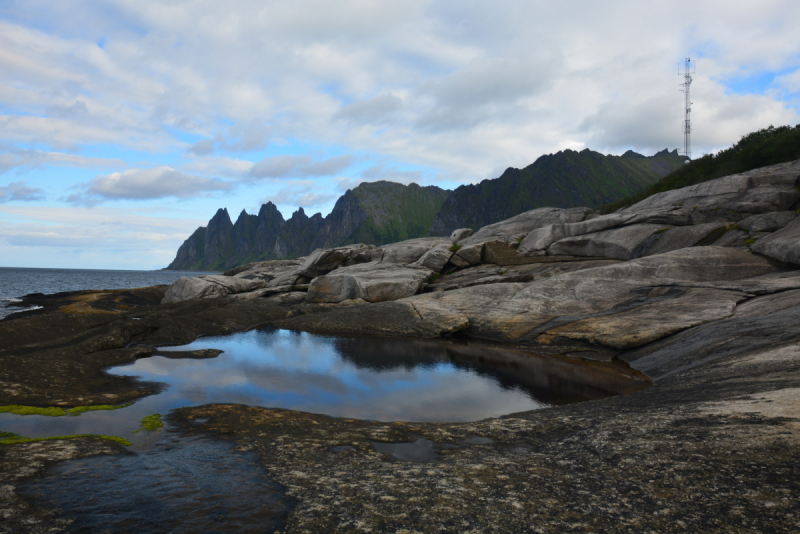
(563, 180)
(378, 213)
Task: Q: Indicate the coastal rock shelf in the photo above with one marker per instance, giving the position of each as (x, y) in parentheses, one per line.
(698, 288)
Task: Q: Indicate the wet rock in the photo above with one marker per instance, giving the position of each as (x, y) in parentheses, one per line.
(373, 282)
(208, 286)
(461, 233)
(783, 245)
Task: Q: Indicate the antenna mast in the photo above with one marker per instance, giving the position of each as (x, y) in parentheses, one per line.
(687, 122)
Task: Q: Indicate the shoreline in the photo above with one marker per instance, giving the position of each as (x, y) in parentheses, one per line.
(687, 449)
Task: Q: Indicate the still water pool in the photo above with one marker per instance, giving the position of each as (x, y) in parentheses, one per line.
(367, 378)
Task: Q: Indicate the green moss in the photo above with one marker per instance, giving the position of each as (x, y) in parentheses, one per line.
(433, 277)
(151, 423)
(9, 438)
(455, 248)
(55, 411)
(749, 241)
(662, 230)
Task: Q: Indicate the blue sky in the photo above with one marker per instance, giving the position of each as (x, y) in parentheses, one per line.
(125, 124)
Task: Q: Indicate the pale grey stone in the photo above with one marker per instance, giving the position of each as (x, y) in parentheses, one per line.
(682, 237)
(411, 250)
(459, 234)
(526, 222)
(470, 253)
(783, 245)
(618, 243)
(373, 282)
(768, 222)
(435, 258)
(208, 286)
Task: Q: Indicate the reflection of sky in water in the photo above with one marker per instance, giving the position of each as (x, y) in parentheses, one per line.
(387, 380)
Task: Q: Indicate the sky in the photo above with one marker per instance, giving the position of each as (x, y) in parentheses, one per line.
(125, 124)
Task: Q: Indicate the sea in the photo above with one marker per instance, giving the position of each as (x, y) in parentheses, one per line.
(16, 282)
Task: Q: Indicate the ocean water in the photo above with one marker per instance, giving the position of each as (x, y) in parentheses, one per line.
(16, 282)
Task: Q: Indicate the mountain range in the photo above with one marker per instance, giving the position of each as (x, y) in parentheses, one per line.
(385, 212)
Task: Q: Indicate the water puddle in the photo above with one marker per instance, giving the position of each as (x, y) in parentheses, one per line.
(182, 485)
(364, 378)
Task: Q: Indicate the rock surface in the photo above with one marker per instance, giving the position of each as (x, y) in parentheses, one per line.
(209, 286)
(783, 245)
(372, 282)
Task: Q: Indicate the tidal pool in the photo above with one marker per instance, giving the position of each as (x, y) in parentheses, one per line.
(366, 378)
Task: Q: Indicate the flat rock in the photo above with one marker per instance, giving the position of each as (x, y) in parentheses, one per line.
(783, 245)
(373, 282)
(208, 286)
(621, 243)
(264, 270)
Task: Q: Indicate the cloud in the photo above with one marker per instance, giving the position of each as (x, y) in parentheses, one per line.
(15, 157)
(375, 110)
(302, 193)
(383, 171)
(19, 191)
(142, 184)
(303, 166)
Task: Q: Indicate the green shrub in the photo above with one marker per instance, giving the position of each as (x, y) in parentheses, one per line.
(455, 248)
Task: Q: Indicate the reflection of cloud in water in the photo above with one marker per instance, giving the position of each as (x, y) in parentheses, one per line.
(367, 378)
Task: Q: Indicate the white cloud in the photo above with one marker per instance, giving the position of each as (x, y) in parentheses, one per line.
(285, 166)
(142, 184)
(375, 110)
(20, 191)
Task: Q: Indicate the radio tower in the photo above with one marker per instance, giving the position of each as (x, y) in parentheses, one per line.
(687, 122)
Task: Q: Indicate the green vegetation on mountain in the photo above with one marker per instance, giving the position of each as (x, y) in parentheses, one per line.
(562, 180)
(769, 146)
(395, 212)
(373, 213)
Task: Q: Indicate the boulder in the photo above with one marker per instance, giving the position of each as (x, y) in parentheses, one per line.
(621, 243)
(373, 282)
(208, 286)
(461, 233)
(323, 261)
(470, 253)
(783, 245)
(435, 258)
(411, 250)
(768, 222)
